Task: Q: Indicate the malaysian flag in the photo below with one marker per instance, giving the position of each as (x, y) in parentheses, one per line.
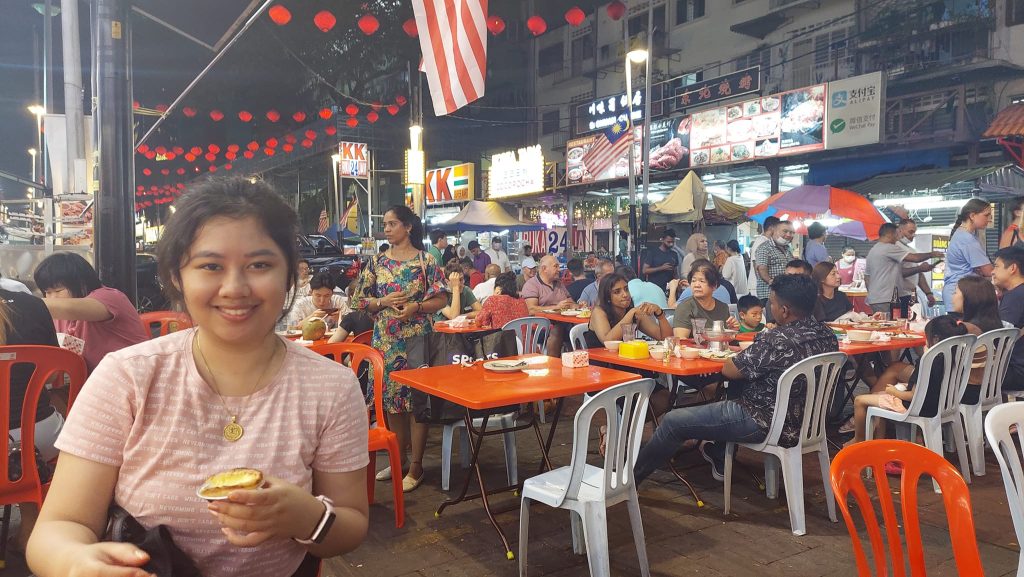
(321, 226)
(608, 147)
(453, 41)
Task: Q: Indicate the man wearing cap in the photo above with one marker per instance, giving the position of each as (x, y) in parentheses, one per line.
(498, 256)
(480, 258)
(661, 263)
(529, 270)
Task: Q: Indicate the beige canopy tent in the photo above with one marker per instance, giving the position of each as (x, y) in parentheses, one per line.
(686, 203)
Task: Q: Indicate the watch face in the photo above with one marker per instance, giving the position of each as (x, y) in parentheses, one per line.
(321, 535)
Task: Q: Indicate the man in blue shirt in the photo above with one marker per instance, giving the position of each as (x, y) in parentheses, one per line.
(815, 250)
(589, 297)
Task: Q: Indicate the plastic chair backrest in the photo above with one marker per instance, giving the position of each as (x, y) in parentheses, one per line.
(47, 362)
(576, 338)
(364, 338)
(625, 408)
(357, 354)
(998, 348)
(957, 354)
(820, 374)
(997, 430)
(531, 333)
(169, 322)
(847, 477)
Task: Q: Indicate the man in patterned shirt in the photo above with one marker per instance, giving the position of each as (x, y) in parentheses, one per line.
(770, 260)
(755, 371)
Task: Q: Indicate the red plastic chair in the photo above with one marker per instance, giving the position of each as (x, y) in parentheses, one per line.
(381, 439)
(847, 475)
(364, 338)
(167, 321)
(48, 362)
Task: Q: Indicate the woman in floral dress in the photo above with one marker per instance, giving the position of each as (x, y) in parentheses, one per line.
(401, 289)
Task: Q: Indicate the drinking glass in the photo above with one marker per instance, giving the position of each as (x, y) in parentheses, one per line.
(628, 332)
(885, 316)
(699, 327)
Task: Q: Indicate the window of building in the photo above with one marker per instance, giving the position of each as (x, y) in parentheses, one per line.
(551, 122)
(1014, 12)
(689, 10)
(761, 56)
(550, 59)
(802, 62)
(582, 48)
(606, 52)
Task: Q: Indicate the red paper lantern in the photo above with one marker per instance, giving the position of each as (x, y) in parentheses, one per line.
(213, 168)
(180, 171)
(178, 150)
(161, 150)
(196, 151)
(231, 155)
(324, 20)
(213, 148)
(352, 122)
(310, 135)
(372, 117)
(147, 171)
(210, 157)
(299, 116)
(151, 154)
(615, 9)
(326, 113)
(409, 27)
(165, 172)
(287, 147)
(330, 131)
(190, 157)
(232, 148)
(143, 148)
(248, 154)
(352, 110)
(536, 25)
(160, 108)
(245, 116)
(253, 146)
(368, 23)
(140, 188)
(216, 115)
(170, 155)
(401, 100)
(392, 109)
(496, 25)
(307, 143)
(136, 105)
(269, 151)
(273, 115)
(279, 15)
(574, 16)
(290, 138)
(188, 111)
(272, 142)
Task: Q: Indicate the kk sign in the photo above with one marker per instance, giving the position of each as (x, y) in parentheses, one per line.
(353, 162)
(450, 184)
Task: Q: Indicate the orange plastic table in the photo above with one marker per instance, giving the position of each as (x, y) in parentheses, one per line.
(560, 318)
(676, 366)
(445, 327)
(846, 386)
(474, 387)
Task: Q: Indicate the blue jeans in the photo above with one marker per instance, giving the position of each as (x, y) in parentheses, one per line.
(722, 421)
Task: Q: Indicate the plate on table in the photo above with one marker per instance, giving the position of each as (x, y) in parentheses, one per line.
(717, 355)
(875, 325)
(506, 366)
(571, 313)
(552, 311)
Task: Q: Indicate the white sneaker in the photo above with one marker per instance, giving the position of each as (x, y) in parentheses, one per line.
(384, 474)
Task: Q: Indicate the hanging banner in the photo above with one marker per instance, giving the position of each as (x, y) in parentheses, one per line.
(854, 111)
(450, 184)
(353, 163)
(554, 241)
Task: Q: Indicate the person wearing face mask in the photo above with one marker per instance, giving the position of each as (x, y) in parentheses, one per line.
(907, 232)
(965, 254)
(767, 231)
(848, 266)
(770, 259)
(498, 256)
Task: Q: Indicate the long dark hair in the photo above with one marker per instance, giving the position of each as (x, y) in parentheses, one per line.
(941, 328)
(406, 216)
(506, 281)
(981, 308)
(234, 198)
(69, 270)
(604, 296)
(973, 206)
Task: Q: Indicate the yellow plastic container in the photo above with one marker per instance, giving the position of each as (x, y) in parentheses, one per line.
(634, 350)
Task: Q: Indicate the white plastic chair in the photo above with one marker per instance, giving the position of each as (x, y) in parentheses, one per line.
(997, 429)
(998, 348)
(576, 337)
(531, 337)
(957, 353)
(821, 374)
(586, 490)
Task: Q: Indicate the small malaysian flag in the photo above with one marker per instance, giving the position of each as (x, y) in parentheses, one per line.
(321, 226)
(609, 147)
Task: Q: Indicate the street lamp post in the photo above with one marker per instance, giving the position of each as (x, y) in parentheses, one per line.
(335, 160)
(634, 57)
(38, 111)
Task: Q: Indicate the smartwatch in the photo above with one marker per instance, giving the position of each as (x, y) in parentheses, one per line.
(323, 527)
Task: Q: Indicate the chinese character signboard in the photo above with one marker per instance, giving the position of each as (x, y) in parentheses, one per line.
(516, 172)
(353, 163)
(670, 141)
(855, 111)
(450, 184)
(601, 114)
(732, 85)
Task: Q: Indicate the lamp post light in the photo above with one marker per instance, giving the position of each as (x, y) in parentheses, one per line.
(38, 111)
(335, 160)
(634, 57)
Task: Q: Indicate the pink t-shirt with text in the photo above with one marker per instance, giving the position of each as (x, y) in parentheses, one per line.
(122, 330)
(146, 410)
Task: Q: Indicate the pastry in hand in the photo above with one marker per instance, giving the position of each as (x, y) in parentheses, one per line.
(219, 486)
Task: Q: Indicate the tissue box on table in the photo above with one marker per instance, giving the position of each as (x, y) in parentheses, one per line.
(575, 359)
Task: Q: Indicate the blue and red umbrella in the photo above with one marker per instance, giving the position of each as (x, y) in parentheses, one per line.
(861, 218)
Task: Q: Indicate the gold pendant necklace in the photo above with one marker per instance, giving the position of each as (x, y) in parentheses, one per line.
(233, 431)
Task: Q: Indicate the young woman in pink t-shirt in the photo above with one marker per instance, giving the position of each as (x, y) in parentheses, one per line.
(154, 420)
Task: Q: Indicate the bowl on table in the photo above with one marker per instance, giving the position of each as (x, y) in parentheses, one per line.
(612, 345)
(657, 353)
(691, 353)
(859, 336)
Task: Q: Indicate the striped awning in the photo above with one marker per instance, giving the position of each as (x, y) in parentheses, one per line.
(1003, 177)
(1009, 122)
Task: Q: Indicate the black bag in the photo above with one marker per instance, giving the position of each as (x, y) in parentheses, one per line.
(438, 349)
(14, 464)
(165, 558)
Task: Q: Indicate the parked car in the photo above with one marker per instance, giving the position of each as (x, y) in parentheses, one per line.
(324, 255)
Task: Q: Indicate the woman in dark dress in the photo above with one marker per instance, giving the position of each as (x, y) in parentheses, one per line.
(834, 303)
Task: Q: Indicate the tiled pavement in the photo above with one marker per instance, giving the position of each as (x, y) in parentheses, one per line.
(754, 540)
